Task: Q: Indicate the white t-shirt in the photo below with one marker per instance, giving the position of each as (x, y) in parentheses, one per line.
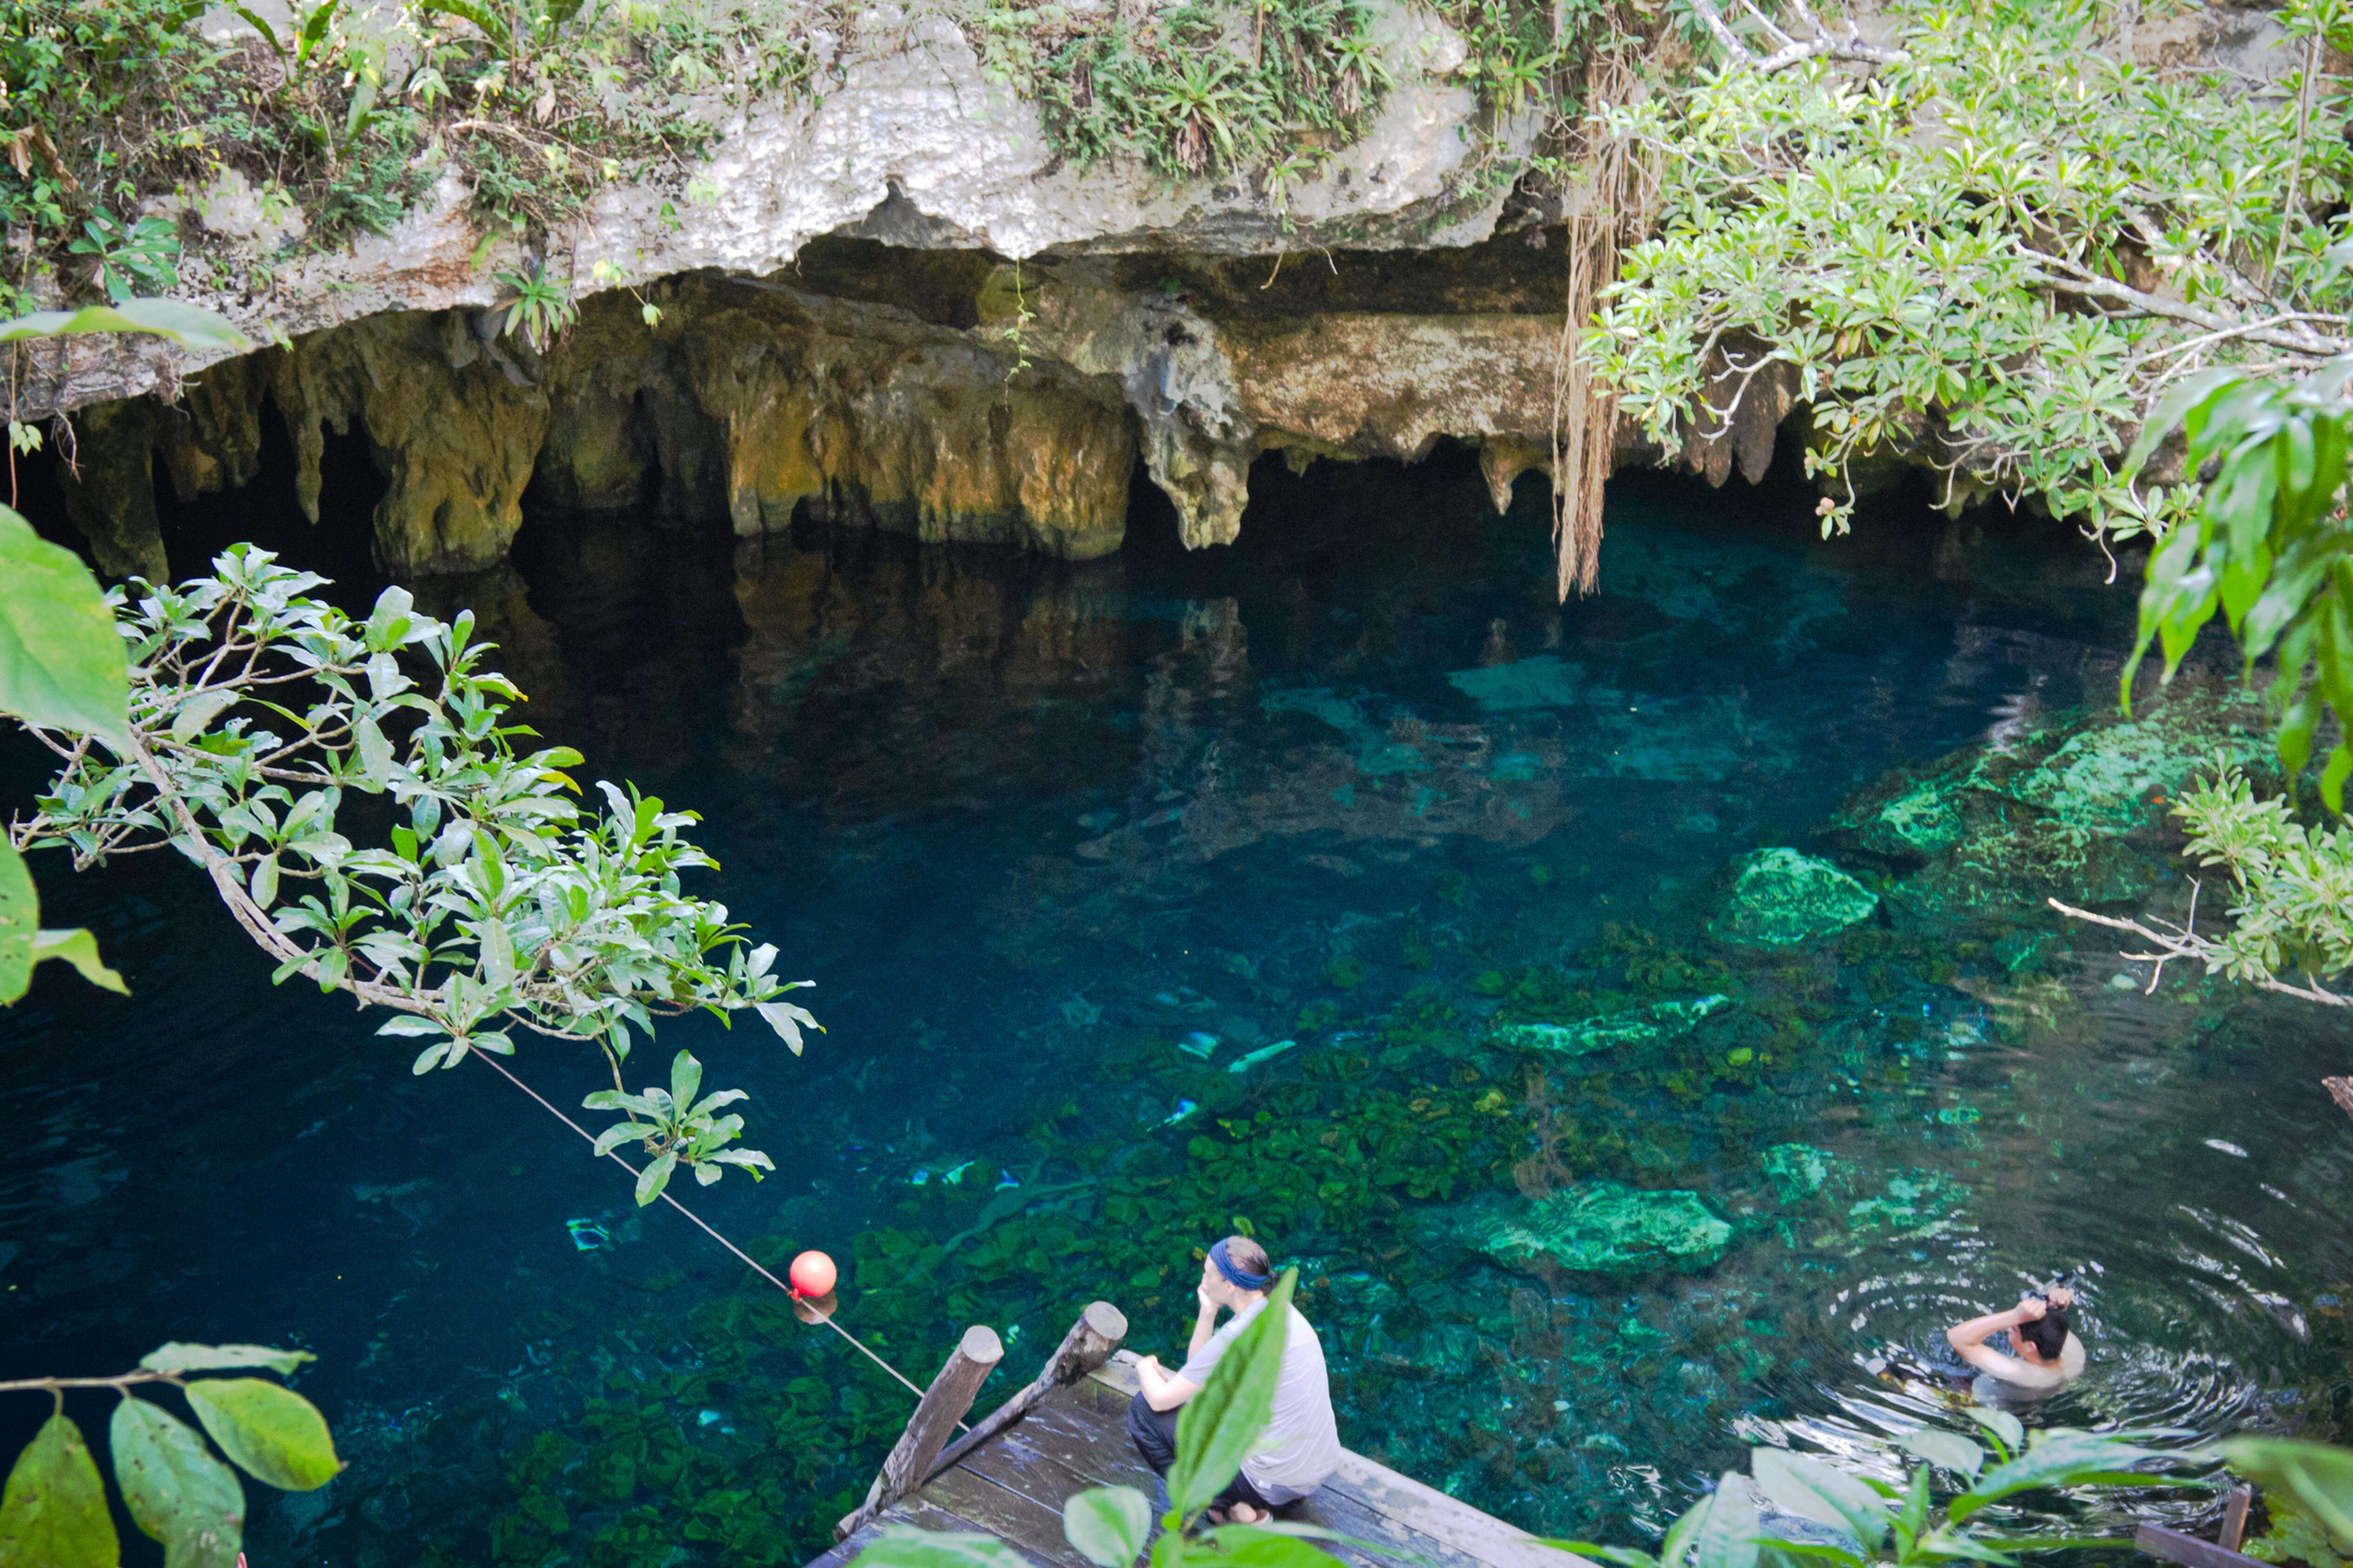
(1301, 1446)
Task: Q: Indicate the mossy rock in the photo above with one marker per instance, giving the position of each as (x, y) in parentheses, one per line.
(1598, 1227)
(2065, 808)
(1634, 1027)
(1798, 1171)
(1780, 897)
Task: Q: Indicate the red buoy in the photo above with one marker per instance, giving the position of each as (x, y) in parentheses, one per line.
(812, 1274)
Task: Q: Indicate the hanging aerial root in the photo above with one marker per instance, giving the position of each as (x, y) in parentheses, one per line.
(1613, 199)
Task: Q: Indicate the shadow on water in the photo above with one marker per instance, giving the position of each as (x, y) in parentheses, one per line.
(1157, 895)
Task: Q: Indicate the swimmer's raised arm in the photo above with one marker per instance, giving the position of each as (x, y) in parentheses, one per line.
(1968, 1340)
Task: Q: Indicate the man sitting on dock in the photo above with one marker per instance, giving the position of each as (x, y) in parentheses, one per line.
(1301, 1447)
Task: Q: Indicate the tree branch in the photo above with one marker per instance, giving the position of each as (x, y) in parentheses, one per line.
(1823, 44)
(2186, 943)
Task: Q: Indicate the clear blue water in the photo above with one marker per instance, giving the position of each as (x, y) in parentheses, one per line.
(1030, 828)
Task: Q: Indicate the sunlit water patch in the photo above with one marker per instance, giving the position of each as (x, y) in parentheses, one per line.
(1340, 886)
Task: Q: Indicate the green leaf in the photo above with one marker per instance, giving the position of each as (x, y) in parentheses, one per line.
(178, 1491)
(1251, 1546)
(178, 1357)
(76, 946)
(654, 1178)
(905, 1546)
(685, 1079)
(1948, 1449)
(62, 663)
(53, 1513)
(1811, 1489)
(2005, 1427)
(1727, 1537)
(2319, 1476)
(198, 712)
(20, 923)
(186, 325)
(375, 752)
(1222, 1423)
(275, 1433)
(1618, 1556)
(1108, 1525)
(2062, 1457)
(268, 34)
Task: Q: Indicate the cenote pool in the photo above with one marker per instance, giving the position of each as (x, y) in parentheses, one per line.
(1069, 852)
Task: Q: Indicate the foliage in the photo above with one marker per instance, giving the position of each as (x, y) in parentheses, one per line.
(541, 309)
(2268, 547)
(1870, 1521)
(496, 901)
(1993, 252)
(676, 1127)
(54, 1513)
(2319, 1476)
(1111, 1526)
(2294, 908)
(534, 104)
(61, 662)
(1210, 86)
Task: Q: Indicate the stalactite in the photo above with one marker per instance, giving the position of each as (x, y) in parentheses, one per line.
(1614, 199)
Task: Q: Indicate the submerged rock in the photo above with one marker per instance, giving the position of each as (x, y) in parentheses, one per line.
(2049, 810)
(1796, 1170)
(1780, 897)
(1598, 1226)
(1634, 1027)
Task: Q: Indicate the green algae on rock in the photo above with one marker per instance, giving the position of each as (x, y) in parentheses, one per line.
(1796, 1170)
(2048, 811)
(1780, 897)
(1598, 1226)
(1634, 1027)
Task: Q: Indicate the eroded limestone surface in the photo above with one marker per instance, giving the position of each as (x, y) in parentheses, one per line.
(937, 393)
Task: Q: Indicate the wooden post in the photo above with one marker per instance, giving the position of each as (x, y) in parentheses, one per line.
(1087, 1346)
(2234, 1517)
(944, 1405)
(2172, 1546)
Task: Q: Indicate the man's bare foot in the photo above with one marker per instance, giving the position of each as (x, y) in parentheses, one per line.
(1243, 1514)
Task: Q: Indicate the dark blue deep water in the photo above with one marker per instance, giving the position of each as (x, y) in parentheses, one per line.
(1357, 784)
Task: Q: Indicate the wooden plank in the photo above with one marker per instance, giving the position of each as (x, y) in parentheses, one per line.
(1020, 1463)
(2190, 1551)
(1393, 1545)
(1428, 1511)
(1118, 1374)
(909, 1510)
(1032, 1528)
(1085, 1441)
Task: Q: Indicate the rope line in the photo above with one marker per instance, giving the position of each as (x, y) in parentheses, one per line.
(754, 1263)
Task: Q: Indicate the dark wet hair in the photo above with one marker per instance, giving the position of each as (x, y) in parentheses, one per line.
(2047, 1333)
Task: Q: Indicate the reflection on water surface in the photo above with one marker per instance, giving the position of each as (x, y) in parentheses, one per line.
(1173, 893)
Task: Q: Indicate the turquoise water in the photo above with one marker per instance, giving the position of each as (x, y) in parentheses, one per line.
(1062, 846)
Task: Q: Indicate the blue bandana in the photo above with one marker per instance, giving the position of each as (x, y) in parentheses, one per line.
(1233, 1272)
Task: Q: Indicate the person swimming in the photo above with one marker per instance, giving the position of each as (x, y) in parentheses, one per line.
(2047, 1352)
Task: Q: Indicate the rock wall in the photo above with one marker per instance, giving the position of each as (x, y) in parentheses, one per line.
(951, 396)
(890, 304)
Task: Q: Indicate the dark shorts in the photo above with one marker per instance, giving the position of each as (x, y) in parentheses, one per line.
(1154, 1433)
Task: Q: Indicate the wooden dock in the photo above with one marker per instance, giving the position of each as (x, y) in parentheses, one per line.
(1012, 1483)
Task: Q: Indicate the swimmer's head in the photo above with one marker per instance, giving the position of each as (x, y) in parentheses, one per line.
(2047, 1333)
